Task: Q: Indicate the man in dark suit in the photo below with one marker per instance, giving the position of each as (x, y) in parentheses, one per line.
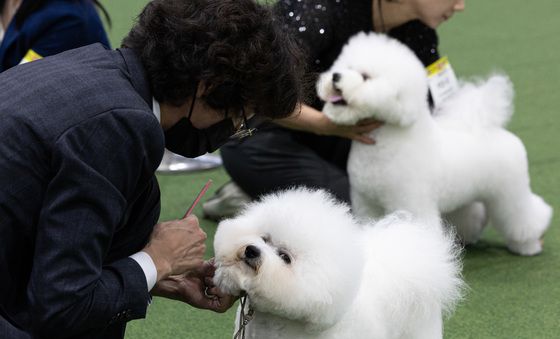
(82, 135)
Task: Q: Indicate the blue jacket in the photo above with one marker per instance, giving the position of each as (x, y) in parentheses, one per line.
(57, 26)
(78, 194)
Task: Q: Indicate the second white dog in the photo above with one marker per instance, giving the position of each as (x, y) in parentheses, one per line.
(428, 164)
(309, 270)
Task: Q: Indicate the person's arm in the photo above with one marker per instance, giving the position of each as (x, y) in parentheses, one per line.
(311, 120)
(97, 167)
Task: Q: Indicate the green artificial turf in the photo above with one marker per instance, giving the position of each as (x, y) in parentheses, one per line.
(509, 296)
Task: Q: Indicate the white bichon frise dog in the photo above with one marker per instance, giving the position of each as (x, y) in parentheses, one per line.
(453, 161)
(309, 270)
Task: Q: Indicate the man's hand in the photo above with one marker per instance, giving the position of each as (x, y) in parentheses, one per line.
(176, 246)
(196, 289)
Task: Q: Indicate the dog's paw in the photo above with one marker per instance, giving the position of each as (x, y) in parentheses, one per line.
(526, 248)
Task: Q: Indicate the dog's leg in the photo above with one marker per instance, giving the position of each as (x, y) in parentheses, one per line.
(469, 221)
(522, 221)
(429, 326)
(364, 208)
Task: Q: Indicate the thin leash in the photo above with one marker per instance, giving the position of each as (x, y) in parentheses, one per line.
(244, 319)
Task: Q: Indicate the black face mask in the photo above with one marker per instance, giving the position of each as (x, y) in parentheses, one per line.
(185, 139)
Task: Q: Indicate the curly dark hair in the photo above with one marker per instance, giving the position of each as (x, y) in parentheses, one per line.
(235, 48)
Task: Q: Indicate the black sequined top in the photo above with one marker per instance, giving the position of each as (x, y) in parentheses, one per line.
(324, 26)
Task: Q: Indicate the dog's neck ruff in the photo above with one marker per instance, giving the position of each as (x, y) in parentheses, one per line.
(244, 319)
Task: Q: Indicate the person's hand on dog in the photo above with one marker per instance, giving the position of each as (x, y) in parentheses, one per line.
(311, 120)
(358, 132)
(176, 246)
(195, 288)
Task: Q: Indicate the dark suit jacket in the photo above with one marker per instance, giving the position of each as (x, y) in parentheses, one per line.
(57, 26)
(79, 148)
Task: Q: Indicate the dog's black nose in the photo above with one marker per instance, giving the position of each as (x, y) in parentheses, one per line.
(336, 77)
(252, 252)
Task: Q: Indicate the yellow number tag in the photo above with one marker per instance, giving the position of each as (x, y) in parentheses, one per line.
(441, 80)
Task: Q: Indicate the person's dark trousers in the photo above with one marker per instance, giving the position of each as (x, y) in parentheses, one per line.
(8, 330)
(279, 158)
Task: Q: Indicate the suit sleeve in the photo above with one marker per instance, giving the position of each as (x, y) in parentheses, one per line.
(98, 166)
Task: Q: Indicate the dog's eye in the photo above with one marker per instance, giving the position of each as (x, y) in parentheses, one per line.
(285, 257)
(365, 76)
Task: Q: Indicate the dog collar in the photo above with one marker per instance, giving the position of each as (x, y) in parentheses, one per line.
(244, 318)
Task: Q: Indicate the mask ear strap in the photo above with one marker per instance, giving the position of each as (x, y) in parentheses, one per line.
(192, 104)
(244, 116)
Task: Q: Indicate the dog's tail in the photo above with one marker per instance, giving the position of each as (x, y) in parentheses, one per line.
(480, 103)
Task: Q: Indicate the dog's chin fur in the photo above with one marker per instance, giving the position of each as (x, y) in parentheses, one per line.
(343, 279)
(459, 163)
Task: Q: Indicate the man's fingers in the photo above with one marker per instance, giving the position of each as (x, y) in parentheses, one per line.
(191, 218)
(221, 304)
(215, 291)
(202, 270)
(364, 129)
(208, 281)
(369, 121)
(363, 138)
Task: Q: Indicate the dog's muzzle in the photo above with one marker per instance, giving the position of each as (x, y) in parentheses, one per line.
(252, 257)
(336, 99)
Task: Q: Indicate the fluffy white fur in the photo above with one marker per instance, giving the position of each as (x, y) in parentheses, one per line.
(391, 279)
(460, 160)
